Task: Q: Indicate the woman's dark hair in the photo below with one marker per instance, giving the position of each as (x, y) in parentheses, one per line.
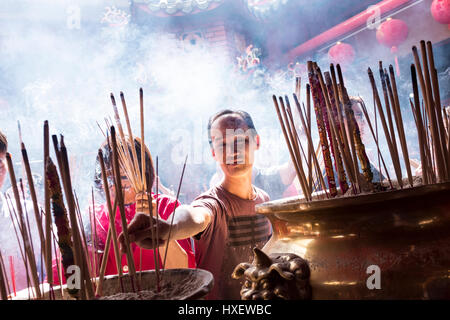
(243, 114)
(108, 160)
(3, 143)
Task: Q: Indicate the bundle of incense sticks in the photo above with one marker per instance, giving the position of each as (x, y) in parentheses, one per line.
(125, 159)
(435, 152)
(339, 132)
(292, 140)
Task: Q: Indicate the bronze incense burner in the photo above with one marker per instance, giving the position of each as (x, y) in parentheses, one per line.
(178, 284)
(386, 245)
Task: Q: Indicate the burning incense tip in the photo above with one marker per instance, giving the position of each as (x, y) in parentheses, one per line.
(20, 131)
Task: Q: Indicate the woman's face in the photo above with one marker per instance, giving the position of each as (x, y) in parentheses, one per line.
(128, 191)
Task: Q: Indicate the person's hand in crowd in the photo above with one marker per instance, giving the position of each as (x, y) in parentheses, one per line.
(141, 231)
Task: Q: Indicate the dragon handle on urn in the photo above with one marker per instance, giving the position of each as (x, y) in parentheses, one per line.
(276, 276)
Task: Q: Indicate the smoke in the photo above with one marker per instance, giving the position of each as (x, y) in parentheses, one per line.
(60, 62)
(53, 69)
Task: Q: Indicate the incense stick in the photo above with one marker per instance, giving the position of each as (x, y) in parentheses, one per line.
(141, 95)
(395, 156)
(308, 119)
(104, 261)
(438, 108)
(337, 146)
(28, 253)
(156, 251)
(61, 220)
(11, 268)
(420, 128)
(390, 122)
(48, 217)
(343, 133)
(119, 195)
(131, 139)
(3, 291)
(385, 128)
(318, 99)
(425, 86)
(153, 232)
(348, 125)
(310, 145)
(94, 234)
(287, 138)
(126, 164)
(393, 95)
(366, 115)
(32, 189)
(111, 214)
(173, 214)
(295, 142)
(80, 259)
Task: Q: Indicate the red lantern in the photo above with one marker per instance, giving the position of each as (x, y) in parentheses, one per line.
(341, 53)
(440, 10)
(392, 33)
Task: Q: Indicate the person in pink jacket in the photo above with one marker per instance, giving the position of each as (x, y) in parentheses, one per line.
(180, 253)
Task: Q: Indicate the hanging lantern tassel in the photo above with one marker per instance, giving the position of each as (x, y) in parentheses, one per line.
(394, 51)
(391, 33)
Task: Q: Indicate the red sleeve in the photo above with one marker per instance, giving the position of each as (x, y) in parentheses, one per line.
(166, 205)
(102, 225)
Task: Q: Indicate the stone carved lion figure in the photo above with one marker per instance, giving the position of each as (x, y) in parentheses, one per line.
(277, 276)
